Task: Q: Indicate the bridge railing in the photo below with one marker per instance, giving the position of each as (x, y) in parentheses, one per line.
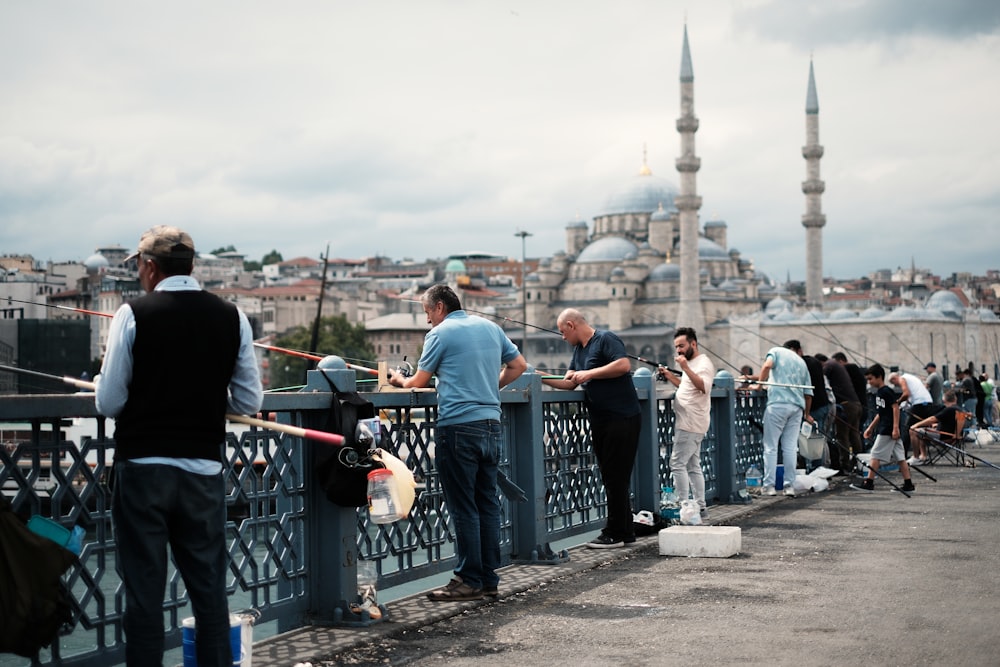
(293, 554)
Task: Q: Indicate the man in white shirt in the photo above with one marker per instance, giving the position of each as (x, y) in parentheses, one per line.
(916, 401)
(692, 405)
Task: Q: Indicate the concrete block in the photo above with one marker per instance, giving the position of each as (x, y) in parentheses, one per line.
(700, 541)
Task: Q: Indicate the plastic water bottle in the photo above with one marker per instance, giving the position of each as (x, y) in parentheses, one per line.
(382, 499)
(753, 477)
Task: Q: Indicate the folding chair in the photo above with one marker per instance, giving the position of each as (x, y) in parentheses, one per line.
(949, 446)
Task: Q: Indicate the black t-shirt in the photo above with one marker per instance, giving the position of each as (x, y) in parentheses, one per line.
(613, 398)
(885, 401)
(947, 422)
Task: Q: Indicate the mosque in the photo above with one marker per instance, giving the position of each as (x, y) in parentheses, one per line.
(647, 266)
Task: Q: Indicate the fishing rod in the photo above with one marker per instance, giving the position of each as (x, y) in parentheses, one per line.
(559, 333)
(69, 308)
(312, 357)
(936, 440)
(905, 346)
(308, 433)
(294, 353)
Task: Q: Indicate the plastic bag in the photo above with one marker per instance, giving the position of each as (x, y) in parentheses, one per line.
(690, 513)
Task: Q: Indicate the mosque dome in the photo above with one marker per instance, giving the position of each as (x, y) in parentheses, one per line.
(946, 302)
(729, 286)
(618, 272)
(608, 249)
(843, 314)
(643, 193)
(454, 266)
(709, 249)
(987, 315)
(784, 316)
(903, 313)
(777, 305)
(872, 313)
(660, 214)
(96, 263)
(665, 273)
(532, 278)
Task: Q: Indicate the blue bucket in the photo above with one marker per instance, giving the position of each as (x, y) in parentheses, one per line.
(235, 640)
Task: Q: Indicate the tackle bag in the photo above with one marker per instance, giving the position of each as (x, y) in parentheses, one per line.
(342, 472)
(34, 604)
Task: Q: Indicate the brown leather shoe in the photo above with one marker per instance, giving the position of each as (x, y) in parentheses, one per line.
(456, 591)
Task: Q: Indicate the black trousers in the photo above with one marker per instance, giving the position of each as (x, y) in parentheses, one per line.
(615, 443)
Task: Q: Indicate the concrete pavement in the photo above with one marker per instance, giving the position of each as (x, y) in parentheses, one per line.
(832, 578)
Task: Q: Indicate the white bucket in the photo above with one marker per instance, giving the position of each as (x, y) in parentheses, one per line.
(240, 640)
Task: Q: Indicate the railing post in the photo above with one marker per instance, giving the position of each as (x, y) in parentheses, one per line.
(529, 535)
(728, 479)
(331, 531)
(646, 475)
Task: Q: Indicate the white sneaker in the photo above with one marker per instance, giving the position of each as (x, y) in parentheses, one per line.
(789, 491)
(912, 460)
(769, 491)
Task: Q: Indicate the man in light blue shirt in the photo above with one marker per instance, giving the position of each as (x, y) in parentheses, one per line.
(789, 397)
(472, 359)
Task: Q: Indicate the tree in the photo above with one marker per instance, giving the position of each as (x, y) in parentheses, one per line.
(272, 257)
(251, 265)
(336, 336)
(219, 251)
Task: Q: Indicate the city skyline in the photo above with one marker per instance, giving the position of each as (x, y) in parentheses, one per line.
(428, 130)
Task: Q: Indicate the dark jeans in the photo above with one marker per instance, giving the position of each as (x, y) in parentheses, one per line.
(466, 456)
(615, 443)
(848, 434)
(153, 506)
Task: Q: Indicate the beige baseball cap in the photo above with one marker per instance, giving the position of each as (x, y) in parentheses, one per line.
(166, 242)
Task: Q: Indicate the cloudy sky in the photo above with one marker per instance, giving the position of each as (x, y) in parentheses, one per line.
(422, 129)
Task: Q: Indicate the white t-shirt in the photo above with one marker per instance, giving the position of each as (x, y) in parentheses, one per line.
(918, 392)
(692, 407)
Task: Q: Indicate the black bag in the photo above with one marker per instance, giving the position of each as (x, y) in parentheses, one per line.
(34, 604)
(342, 472)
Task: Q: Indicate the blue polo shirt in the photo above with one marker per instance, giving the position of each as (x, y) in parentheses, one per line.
(465, 353)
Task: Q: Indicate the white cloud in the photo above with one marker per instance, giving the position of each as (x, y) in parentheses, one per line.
(424, 129)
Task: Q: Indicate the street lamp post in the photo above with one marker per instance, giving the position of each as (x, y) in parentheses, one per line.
(524, 287)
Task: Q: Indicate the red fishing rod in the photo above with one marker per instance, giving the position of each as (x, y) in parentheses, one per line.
(294, 353)
(308, 433)
(69, 308)
(312, 357)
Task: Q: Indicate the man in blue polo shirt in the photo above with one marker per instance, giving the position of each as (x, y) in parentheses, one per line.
(466, 354)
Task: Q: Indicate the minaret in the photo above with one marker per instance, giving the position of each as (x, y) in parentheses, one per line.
(813, 187)
(689, 312)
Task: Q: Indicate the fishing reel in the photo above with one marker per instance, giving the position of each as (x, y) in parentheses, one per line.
(404, 369)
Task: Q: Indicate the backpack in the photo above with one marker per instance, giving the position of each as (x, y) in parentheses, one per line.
(34, 603)
(342, 472)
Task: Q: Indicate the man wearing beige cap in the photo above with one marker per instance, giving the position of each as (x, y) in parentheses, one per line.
(177, 360)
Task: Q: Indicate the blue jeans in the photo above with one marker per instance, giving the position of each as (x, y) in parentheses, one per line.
(819, 415)
(153, 506)
(466, 456)
(781, 424)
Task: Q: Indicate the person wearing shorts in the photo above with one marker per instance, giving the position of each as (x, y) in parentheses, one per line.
(888, 446)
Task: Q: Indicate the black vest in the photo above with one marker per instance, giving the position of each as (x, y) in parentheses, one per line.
(185, 350)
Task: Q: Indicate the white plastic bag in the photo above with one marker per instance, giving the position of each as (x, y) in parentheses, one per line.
(690, 513)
